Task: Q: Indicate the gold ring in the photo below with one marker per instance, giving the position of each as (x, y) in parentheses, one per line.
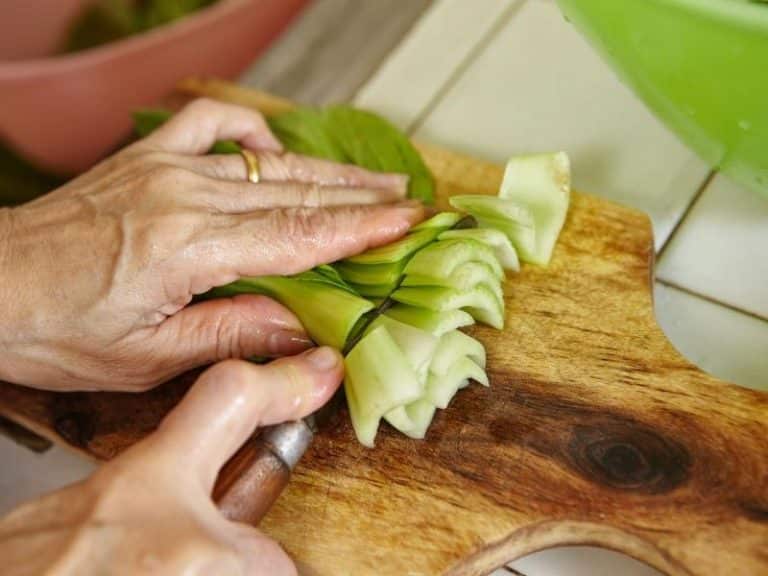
(251, 165)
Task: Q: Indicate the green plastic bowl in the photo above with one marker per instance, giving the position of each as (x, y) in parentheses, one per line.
(700, 65)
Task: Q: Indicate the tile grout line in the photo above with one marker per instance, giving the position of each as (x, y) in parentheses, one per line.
(688, 208)
(372, 74)
(464, 65)
(709, 299)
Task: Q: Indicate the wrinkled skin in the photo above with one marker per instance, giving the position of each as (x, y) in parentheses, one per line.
(149, 511)
(98, 274)
(96, 281)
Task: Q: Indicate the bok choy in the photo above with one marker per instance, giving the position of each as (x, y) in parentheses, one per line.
(397, 311)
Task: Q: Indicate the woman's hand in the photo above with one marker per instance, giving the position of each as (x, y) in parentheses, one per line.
(95, 277)
(149, 511)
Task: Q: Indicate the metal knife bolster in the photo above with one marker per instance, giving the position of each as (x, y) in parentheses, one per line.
(253, 479)
(289, 441)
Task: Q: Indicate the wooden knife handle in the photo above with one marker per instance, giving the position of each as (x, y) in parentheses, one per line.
(256, 475)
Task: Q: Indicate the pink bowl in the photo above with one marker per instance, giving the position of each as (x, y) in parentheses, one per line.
(66, 112)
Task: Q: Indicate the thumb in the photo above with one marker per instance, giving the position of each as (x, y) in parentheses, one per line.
(231, 399)
(239, 327)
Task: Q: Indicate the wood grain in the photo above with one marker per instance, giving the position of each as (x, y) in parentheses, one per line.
(594, 431)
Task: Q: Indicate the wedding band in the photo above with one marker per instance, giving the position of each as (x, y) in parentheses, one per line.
(251, 165)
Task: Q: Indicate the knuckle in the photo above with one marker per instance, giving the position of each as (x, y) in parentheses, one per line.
(166, 177)
(311, 226)
(229, 373)
(226, 166)
(228, 337)
(201, 106)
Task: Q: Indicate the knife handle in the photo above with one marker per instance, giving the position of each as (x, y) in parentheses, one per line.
(255, 476)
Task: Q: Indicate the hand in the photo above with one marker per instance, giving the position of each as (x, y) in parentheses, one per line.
(97, 275)
(149, 511)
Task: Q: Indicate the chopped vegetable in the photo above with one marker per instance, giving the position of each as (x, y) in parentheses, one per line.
(396, 310)
(542, 183)
(420, 414)
(386, 274)
(452, 345)
(329, 313)
(507, 216)
(463, 278)
(442, 258)
(396, 251)
(436, 323)
(419, 346)
(378, 379)
(495, 239)
(481, 303)
(440, 390)
(444, 220)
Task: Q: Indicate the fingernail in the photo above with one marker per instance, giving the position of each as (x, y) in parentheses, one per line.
(401, 182)
(323, 359)
(414, 210)
(288, 342)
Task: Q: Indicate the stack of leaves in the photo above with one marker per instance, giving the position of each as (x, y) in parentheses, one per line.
(396, 311)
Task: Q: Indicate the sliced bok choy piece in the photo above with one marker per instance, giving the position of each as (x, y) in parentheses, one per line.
(480, 302)
(419, 346)
(436, 323)
(373, 292)
(379, 378)
(398, 250)
(420, 414)
(507, 216)
(441, 389)
(387, 274)
(327, 311)
(444, 220)
(463, 278)
(502, 247)
(542, 183)
(452, 345)
(441, 258)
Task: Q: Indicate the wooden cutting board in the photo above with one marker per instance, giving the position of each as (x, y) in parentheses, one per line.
(595, 429)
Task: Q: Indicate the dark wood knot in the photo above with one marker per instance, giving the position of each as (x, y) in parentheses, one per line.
(628, 456)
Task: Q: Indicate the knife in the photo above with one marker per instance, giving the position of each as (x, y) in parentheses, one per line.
(255, 476)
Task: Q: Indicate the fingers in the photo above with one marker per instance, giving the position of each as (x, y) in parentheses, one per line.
(241, 197)
(200, 124)
(292, 240)
(234, 397)
(296, 168)
(239, 327)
